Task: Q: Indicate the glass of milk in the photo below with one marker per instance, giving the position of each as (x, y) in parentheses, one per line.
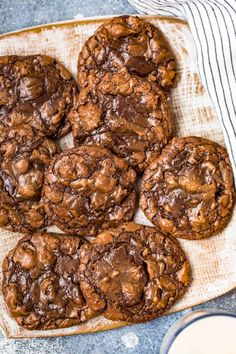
(209, 331)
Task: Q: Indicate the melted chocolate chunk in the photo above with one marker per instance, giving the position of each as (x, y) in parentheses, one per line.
(88, 189)
(188, 190)
(129, 115)
(36, 90)
(133, 273)
(25, 153)
(130, 42)
(41, 285)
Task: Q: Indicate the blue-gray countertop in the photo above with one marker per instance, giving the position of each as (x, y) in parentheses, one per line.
(142, 338)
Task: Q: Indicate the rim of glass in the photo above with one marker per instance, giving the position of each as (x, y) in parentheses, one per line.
(178, 331)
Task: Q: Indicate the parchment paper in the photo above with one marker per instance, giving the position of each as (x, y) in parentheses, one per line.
(213, 260)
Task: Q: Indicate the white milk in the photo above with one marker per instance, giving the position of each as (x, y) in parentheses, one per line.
(210, 335)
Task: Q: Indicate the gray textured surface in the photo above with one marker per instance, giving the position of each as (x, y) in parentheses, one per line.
(17, 14)
(142, 338)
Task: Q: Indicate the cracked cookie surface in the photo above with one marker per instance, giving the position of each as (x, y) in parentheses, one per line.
(25, 153)
(133, 273)
(40, 282)
(129, 115)
(36, 90)
(128, 41)
(87, 189)
(188, 191)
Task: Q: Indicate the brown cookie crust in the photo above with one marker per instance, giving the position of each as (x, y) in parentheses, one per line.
(188, 190)
(128, 41)
(133, 273)
(36, 90)
(40, 282)
(129, 115)
(88, 189)
(25, 153)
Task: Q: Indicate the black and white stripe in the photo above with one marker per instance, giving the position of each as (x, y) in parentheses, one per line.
(213, 26)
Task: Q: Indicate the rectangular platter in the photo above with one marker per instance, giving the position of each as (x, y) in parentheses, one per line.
(213, 260)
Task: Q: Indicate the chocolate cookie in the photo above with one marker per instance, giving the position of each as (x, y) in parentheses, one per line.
(188, 190)
(129, 115)
(133, 273)
(130, 42)
(40, 282)
(24, 155)
(88, 189)
(36, 90)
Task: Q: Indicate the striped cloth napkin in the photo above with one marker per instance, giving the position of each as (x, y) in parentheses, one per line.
(213, 26)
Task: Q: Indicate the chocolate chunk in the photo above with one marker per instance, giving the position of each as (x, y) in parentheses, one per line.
(40, 282)
(36, 90)
(88, 189)
(129, 115)
(24, 155)
(188, 190)
(133, 273)
(130, 42)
